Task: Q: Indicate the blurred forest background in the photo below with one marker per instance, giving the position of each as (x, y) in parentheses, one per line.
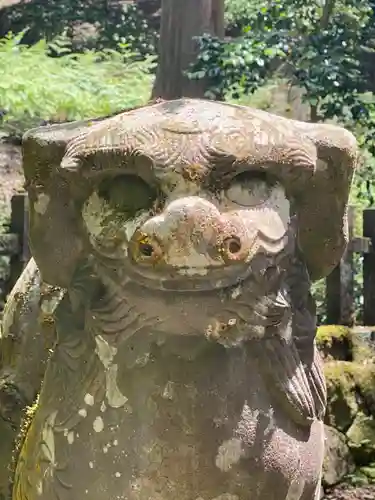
(64, 60)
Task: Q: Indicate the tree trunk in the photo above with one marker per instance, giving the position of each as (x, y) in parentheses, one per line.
(328, 9)
(181, 20)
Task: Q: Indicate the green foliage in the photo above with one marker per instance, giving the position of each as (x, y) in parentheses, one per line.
(128, 25)
(36, 88)
(320, 51)
(240, 13)
(111, 23)
(230, 66)
(318, 46)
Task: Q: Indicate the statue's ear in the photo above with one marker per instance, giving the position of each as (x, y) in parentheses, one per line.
(322, 206)
(55, 234)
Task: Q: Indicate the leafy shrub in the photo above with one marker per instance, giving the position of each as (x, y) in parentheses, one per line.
(36, 88)
(319, 47)
(240, 13)
(230, 66)
(127, 24)
(111, 22)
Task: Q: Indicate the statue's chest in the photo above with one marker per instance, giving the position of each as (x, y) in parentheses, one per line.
(165, 427)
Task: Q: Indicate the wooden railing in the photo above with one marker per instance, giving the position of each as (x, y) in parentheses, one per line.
(14, 243)
(340, 300)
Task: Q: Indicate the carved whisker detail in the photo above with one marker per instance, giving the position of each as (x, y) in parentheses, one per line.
(115, 307)
(123, 325)
(284, 367)
(64, 484)
(318, 385)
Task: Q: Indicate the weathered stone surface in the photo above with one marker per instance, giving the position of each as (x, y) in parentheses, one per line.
(7, 434)
(185, 365)
(363, 344)
(350, 393)
(343, 343)
(342, 397)
(351, 492)
(335, 342)
(338, 461)
(26, 337)
(369, 472)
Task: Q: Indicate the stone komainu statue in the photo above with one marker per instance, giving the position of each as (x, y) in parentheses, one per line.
(182, 238)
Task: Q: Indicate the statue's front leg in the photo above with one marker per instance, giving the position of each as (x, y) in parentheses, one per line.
(26, 339)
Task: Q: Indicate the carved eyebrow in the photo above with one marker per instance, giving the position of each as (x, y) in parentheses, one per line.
(224, 173)
(103, 163)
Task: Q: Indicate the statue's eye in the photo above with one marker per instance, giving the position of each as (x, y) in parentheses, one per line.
(128, 193)
(249, 189)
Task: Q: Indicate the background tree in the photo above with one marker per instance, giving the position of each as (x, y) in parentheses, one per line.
(318, 47)
(323, 49)
(181, 22)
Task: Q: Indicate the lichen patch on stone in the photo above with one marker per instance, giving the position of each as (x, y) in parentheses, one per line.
(39, 487)
(229, 453)
(105, 352)
(41, 203)
(70, 437)
(131, 225)
(98, 424)
(94, 212)
(89, 399)
(114, 396)
(236, 292)
(168, 391)
(47, 447)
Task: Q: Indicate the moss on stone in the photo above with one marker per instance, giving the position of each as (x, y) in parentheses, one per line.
(361, 438)
(20, 439)
(344, 343)
(357, 478)
(365, 381)
(361, 346)
(369, 472)
(334, 342)
(7, 436)
(342, 403)
(351, 388)
(337, 461)
(326, 334)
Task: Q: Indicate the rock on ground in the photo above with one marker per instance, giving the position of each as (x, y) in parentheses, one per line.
(346, 492)
(338, 461)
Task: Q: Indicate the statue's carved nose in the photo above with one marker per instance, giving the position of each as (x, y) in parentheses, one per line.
(190, 230)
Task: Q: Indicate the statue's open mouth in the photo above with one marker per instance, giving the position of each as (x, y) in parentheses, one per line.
(206, 278)
(186, 279)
